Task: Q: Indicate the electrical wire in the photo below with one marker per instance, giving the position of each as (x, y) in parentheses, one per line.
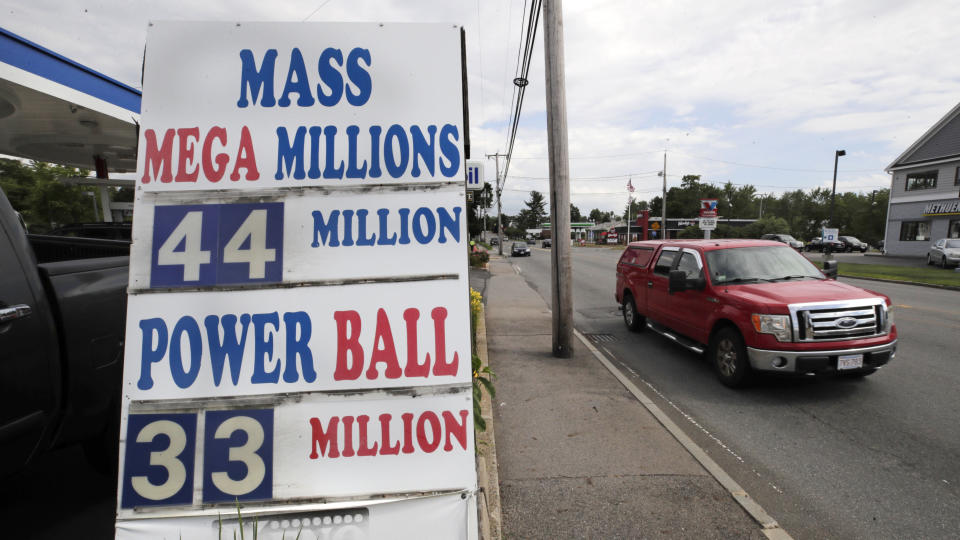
(532, 23)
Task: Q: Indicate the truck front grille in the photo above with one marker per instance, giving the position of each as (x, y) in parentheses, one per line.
(838, 321)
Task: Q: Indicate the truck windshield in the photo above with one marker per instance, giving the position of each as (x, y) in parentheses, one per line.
(762, 263)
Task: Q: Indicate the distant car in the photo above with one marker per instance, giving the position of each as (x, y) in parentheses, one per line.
(945, 252)
(531, 241)
(784, 238)
(520, 249)
(852, 243)
(546, 243)
(494, 241)
(817, 244)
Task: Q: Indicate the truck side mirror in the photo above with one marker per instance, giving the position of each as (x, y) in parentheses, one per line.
(830, 268)
(678, 281)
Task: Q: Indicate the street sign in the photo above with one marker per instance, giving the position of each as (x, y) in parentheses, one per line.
(655, 225)
(298, 335)
(474, 173)
(830, 235)
(708, 223)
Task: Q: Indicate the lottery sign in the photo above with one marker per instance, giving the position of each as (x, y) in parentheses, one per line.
(297, 338)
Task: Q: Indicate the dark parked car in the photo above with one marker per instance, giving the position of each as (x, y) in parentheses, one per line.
(547, 243)
(852, 243)
(784, 238)
(520, 249)
(945, 252)
(494, 241)
(106, 231)
(817, 244)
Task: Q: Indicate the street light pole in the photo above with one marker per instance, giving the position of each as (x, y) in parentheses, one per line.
(663, 212)
(833, 195)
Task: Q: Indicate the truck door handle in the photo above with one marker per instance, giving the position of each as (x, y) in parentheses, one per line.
(649, 284)
(12, 313)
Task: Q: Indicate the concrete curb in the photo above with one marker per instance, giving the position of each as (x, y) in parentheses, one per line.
(488, 479)
(917, 283)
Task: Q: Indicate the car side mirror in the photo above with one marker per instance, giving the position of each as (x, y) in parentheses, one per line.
(830, 268)
(678, 281)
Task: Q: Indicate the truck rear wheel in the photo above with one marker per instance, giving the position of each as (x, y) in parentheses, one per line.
(631, 318)
(729, 358)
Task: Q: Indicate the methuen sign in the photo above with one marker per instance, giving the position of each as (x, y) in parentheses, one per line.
(297, 339)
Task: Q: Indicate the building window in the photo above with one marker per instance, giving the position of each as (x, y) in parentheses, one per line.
(954, 230)
(914, 231)
(921, 180)
(956, 177)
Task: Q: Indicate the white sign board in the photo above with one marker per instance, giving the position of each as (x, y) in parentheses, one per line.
(474, 171)
(298, 325)
(830, 235)
(444, 516)
(708, 224)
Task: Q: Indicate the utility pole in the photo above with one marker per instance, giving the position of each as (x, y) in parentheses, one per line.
(664, 198)
(560, 283)
(499, 189)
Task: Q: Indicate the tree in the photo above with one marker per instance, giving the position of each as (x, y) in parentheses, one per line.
(575, 216)
(767, 225)
(45, 202)
(599, 216)
(634, 209)
(533, 215)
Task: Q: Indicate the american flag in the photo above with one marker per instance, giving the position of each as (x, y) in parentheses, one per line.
(630, 185)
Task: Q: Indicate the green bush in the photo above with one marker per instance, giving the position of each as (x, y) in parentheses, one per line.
(479, 259)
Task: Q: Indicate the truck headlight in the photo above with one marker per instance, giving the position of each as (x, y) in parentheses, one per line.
(776, 325)
(889, 317)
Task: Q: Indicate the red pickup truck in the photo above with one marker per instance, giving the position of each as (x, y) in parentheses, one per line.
(754, 305)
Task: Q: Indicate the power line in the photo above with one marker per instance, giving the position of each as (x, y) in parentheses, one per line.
(314, 12)
(768, 166)
(532, 22)
(480, 56)
(727, 162)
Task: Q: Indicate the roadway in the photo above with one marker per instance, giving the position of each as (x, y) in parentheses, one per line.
(828, 457)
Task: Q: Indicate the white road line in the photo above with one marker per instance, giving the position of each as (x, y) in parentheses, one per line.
(769, 525)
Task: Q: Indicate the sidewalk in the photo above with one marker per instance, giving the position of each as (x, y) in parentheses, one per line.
(579, 456)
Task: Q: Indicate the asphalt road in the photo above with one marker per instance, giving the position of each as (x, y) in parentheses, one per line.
(827, 457)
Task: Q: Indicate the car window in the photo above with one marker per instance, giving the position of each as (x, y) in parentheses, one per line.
(643, 256)
(764, 263)
(688, 264)
(952, 244)
(629, 257)
(665, 262)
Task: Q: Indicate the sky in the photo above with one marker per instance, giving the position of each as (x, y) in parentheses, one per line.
(750, 92)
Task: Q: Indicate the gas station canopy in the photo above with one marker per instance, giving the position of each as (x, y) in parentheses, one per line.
(55, 110)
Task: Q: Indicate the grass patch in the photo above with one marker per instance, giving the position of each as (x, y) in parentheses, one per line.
(935, 276)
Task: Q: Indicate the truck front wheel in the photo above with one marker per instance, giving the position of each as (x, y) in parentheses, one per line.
(631, 318)
(729, 358)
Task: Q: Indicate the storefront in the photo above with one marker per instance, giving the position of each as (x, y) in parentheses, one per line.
(925, 190)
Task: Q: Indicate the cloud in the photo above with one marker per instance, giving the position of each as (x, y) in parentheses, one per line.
(761, 93)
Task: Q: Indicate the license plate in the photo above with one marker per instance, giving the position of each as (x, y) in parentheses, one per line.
(850, 361)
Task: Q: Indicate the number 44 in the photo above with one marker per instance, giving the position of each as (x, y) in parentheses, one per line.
(247, 245)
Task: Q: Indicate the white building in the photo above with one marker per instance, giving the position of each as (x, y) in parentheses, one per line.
(925, 190)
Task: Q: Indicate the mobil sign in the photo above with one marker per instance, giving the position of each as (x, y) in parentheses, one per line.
(297, 341)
